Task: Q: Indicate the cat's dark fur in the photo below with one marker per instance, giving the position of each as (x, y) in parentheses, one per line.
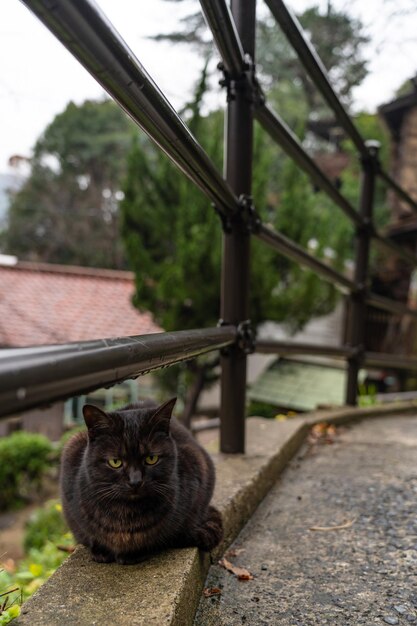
(124, 514)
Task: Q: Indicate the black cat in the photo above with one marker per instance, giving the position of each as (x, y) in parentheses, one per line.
(138, 482)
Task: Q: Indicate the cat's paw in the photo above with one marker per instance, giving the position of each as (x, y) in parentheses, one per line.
(101, 555)
(130, 559)
(209, 534)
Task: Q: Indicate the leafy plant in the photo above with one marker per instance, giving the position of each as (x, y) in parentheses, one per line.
(367, 395)
(23, 461)
(262, 409)
(47, 544)
(67, 436)
(45, 524)
(9, 609)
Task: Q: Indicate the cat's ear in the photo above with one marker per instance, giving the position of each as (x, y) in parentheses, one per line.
(96, 419)
(161, 419)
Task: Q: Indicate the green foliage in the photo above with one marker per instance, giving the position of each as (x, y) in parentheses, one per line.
(10, 612)
(171, 233)
(43, 557)
(67, 211)
(367, 395)
(23, 460)
(261, 409)
(45, 524)
(173, 237)
(90, 139)
(339, 40)
(309, 219)
(67, 436)
(371, 127)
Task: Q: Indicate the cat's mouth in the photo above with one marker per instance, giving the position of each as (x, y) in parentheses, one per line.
(134, 496)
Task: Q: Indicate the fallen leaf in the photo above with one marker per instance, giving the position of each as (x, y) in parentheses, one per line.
(69, 549)
(281, 417)
(211, 591)
(338, 527)
(240, 572)
(322, 433)
(319, 429)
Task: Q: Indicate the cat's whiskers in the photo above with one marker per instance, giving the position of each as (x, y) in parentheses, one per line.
(167, 492)
(106, 494)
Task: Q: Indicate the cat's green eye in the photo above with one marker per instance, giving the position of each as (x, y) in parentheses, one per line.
(151, 459)
(115, 463)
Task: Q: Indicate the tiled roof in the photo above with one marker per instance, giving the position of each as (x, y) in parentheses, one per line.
(44, 304)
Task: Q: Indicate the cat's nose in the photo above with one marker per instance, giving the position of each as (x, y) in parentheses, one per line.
(135, 478)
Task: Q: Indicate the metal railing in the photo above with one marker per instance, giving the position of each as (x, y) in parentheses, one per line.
(31, 377)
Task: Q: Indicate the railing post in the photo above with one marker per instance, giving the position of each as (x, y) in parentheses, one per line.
(234, 307)
(357, 315)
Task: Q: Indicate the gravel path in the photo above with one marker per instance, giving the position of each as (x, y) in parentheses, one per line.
(362, 574)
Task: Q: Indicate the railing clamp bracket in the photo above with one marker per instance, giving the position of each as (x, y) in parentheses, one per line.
(365, 228)
(248, 214)
(370, 160)
(358, 355)
(225, 219)
(246, 82)
(246, 337)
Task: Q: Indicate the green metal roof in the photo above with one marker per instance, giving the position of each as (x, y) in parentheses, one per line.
(300, 385)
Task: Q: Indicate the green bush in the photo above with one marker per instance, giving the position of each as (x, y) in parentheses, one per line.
(44, 524)
(35, 569)
(23, 460)
(67, 436)
(47, 544)
(9, 613)
(261, 409)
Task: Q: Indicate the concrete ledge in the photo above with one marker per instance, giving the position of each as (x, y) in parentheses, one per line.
(165, 590)
(345, 415)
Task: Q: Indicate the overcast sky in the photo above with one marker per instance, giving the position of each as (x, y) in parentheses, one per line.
(38, 77)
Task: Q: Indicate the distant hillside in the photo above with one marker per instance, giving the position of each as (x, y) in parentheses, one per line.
(8, 182)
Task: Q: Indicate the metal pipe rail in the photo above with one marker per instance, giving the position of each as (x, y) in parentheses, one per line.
(290, 143)
(397, 189)
(293, 251)
(315, 68)
(220, 21)
(235, 272)
(388, 244)
(93, 40)
(271, 346)
(371, 359)
(392, 306)
(30, 377)
(390, 361)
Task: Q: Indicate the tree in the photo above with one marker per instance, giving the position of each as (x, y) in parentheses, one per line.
(172, 238)
(67, 211)
(338, 38)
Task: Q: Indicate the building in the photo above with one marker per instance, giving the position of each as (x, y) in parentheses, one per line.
(45, 304)
(396, 278)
